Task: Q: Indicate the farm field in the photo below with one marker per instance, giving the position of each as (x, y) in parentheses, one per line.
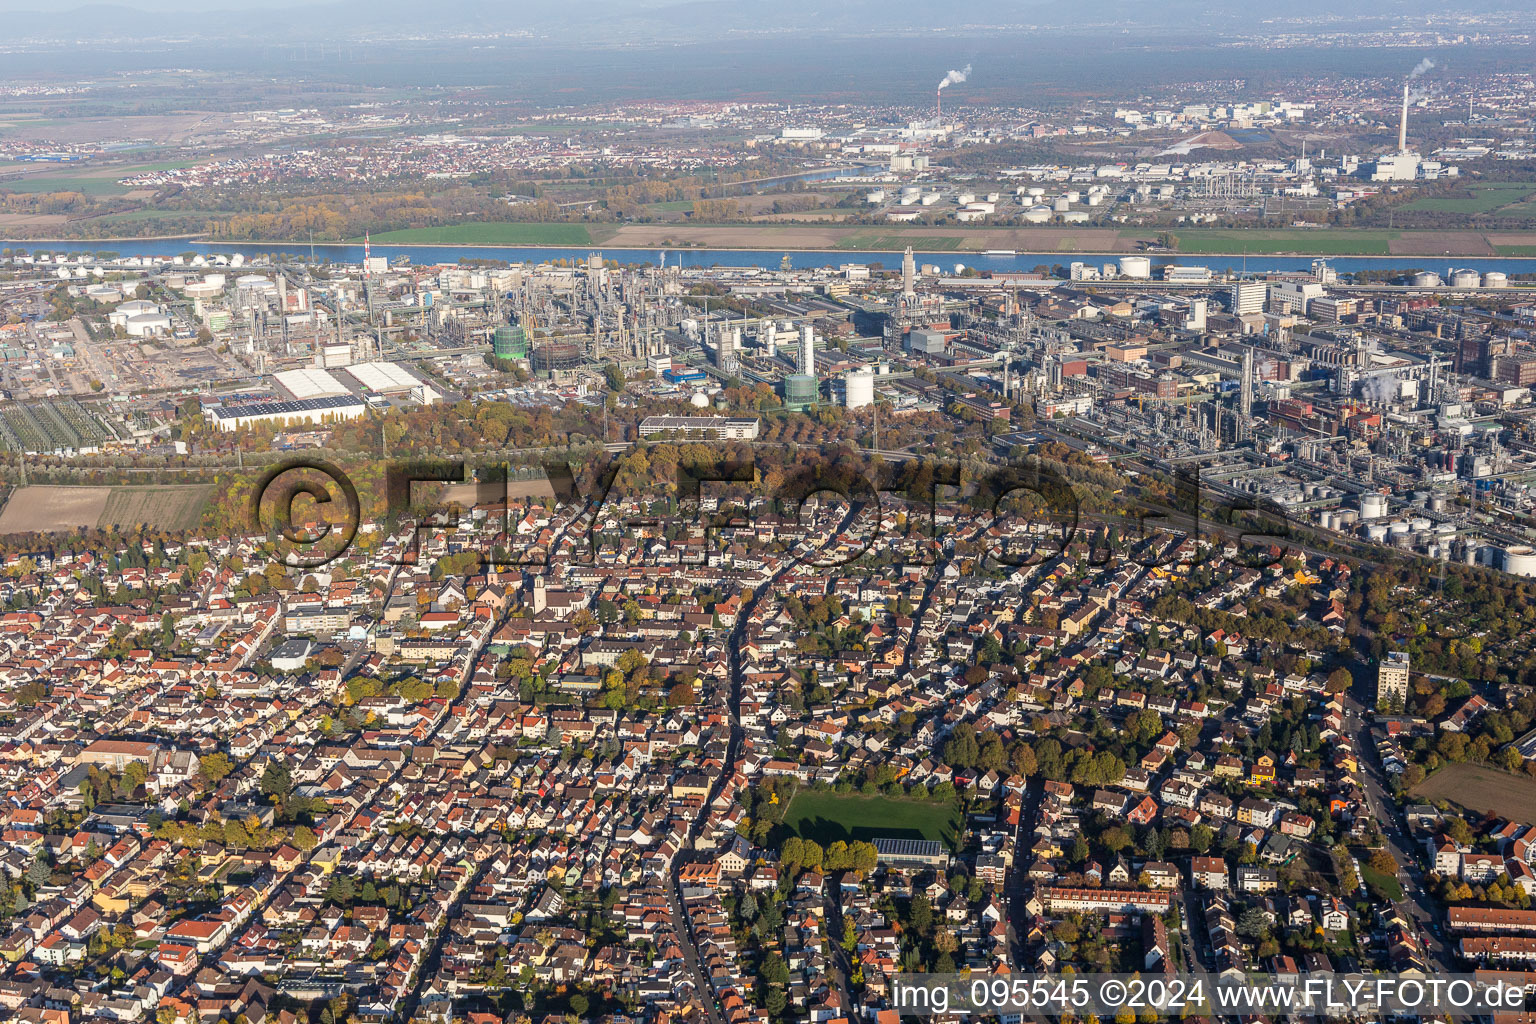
(1300, 240)
(1481, 789)
(162, 506)
(923, 243)
(828, 817)
(49, 508)
(91, 186)
(1480, 197)
(491, 234)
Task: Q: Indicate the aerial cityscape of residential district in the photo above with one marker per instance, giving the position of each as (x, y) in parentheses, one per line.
(699, 517)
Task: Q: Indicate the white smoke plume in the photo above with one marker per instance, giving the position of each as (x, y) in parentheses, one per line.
(1420, 68)
(1378, 389)
(956, 77)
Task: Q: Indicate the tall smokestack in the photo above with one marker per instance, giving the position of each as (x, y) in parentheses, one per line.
(808, 351)
(1402, 127)
(938, 97)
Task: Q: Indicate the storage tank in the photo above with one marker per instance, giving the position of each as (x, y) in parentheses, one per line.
(1495, 279)
(509, 342)
(1520, 561)
(1426, 279)
(1061, 204)
(1437, 503)
(1465, 279)
(1139, 267)
(1376, 532)
(1419, 524)
(800, 392)
(858, 389)
(1373, 506)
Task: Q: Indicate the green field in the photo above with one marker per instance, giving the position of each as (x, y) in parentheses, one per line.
(1515, 250)
(925, 243)
(491, 234)
(1385, 884)
(63, 183)
(1323, 241)
(1482, 197)
(828, 817)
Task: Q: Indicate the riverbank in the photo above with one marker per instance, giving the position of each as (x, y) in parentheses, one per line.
(1050, 243)
(798, 259)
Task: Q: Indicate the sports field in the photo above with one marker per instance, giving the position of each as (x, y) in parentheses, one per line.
(491, 234)
(828, 817)
(1481, 789)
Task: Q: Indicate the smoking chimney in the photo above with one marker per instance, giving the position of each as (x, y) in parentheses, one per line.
(1402, 127)
(939, 105)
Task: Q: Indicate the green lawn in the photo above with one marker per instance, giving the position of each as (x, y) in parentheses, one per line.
(491, 234)
(1324, 241)
(828, 817)
(1384, 884)
(1515, 250)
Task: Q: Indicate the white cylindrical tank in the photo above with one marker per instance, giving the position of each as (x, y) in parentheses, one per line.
(1037, 214)
(1419, 524)
(1520, 561)
(1373, 506)
(1495, 279)
(1139, 267)
(1465, 279)
(1061, 204)
(859, 389)
(1397, 529)
(1376, 532)
(1426, 279)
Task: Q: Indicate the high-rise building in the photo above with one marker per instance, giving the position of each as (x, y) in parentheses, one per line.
(1247, 297)
(908, 275)
(1392, 678)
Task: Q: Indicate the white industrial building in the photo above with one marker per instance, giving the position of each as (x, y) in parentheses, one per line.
(309, 410)
(383, 378)
(723, 428)
(310, 382)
